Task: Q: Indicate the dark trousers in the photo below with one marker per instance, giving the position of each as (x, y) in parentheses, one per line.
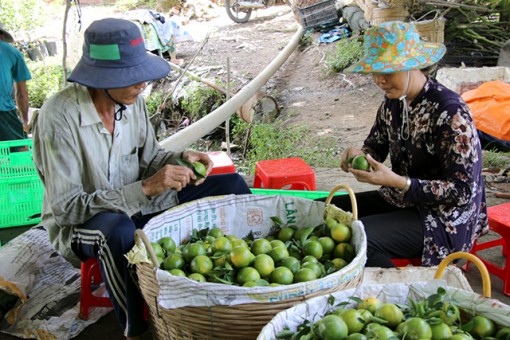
(11, 126)
(108, 236)
(392, 232)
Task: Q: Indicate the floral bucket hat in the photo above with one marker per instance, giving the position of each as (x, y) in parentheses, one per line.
(114, 56)
(396, 46)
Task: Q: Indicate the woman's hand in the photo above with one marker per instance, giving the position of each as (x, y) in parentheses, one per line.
(347, 156)
(380, 174)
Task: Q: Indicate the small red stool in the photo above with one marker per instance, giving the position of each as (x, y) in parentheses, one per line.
(222, 164)
(405, 262)
(278, 173)
(90, 275)
(499, 222)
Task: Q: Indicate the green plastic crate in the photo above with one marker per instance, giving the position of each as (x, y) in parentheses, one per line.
(299, 193)
(14, 163)
(21, 190)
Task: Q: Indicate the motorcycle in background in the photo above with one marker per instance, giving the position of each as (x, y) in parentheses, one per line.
(240, 10)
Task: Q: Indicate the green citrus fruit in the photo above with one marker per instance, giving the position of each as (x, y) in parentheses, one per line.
(441, 331)
(414, 329)
(330, 222)
(192, 250)
(340, 233)
(304, 275)
(168, 244)
(338, 263)
(215, 232)
(279, 253)
(391, 313)
(285, 234)
(201, 264)
(316, 267)
(247, 274)
(332, 327)
(261, 246)
(482, 327)
(381, 332)
(345, 251)
(174, 261)
(370, 303)
(354, 320)
(282, 275)
(221, 244)
(197, 277)
(200, 169)
(356, 336)
(327, 244)
(503, 334)
(241, 257)
(177, 272)
(239, 242)
(157, 249)
(360, 163)
(312, 248)
(290, 262)
(264, 264)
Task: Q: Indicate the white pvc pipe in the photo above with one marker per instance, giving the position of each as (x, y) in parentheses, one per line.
(180, 140)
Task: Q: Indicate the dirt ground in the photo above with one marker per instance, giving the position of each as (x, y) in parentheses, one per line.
(341, 105)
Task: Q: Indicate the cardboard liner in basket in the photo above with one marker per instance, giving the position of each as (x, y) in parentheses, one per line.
(183, 308)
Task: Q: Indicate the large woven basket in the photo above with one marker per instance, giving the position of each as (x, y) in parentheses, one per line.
(242, 321)
(431, 30)
(395, 292)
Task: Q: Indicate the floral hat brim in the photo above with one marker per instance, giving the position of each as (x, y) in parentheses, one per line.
(396, 46)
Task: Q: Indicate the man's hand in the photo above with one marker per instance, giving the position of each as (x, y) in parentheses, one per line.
(174, 177)
(195, 156)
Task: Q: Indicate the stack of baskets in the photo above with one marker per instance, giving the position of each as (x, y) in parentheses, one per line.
(219, 311)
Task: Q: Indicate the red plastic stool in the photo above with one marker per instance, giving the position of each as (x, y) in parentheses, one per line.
(90, 275)
(222, 164)
(278, 173)
(405, 262)
(499, 222)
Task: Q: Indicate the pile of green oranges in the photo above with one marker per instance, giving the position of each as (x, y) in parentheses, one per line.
(431, 318)
(287, 255)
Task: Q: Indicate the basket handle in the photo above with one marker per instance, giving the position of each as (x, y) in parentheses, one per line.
(486, 281)
(140, 236)
(351, 195)
(425, 15)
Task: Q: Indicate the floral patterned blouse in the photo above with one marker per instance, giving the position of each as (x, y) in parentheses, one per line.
(442, 156)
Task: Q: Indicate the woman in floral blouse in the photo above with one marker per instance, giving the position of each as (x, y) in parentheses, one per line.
(431, 201)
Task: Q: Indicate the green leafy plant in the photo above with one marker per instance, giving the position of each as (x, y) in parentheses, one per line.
(346, 52)
(47, 79)
(278, 140)
(492, 159)
(201, 99)
(154, 101)
(21, 15)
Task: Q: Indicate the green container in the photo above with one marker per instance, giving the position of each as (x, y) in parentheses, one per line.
(21, 190)
(299, 193)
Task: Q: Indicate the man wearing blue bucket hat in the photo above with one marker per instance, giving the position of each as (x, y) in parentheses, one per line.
(431, 201)
(103, 170)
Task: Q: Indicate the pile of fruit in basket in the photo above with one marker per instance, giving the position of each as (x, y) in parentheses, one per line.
(287, 255)
(430, 318)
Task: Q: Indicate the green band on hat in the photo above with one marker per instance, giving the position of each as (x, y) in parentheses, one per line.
(104, 52)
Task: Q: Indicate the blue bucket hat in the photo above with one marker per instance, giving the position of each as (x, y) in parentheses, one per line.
(114, 56)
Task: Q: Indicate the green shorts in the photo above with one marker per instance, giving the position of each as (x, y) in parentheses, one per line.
(11, 126)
